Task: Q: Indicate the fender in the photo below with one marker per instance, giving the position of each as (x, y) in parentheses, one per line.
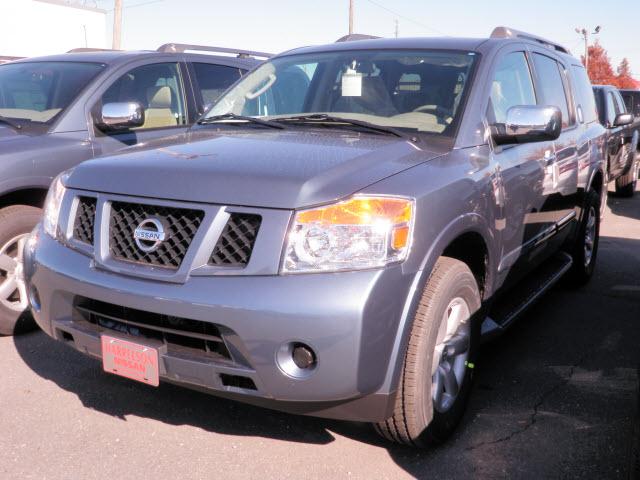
(24, 183)
(603, 189)
(466, 223)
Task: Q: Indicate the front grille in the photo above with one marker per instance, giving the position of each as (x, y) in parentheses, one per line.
(235, 245)
(182, 336)
(180, 225)
(85, 220)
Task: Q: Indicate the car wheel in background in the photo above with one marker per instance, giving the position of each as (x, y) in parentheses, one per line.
(16, 222)
(626, 184)
(438, 366)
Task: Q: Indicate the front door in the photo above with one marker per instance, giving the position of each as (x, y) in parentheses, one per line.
(522, 167)
(160, 89)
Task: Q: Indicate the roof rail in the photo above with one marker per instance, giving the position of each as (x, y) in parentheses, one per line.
(89, 49)
(506, 32)
(183, 47)
(355, 36)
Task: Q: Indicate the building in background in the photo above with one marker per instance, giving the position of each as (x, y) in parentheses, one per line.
(43, 27)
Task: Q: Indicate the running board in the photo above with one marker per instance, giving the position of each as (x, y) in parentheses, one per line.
(506, 310)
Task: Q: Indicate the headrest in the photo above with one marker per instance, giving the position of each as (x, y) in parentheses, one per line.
(159, 97)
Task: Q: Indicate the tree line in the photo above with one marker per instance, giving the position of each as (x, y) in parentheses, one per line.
(601, 71)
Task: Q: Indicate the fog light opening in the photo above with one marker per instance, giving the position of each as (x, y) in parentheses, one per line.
(303, 356)
(66, 336)
(297, 360)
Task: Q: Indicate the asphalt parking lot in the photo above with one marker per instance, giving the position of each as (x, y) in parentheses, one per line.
(556, 397)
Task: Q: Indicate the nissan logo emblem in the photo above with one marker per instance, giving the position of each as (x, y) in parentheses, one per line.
(149, 235)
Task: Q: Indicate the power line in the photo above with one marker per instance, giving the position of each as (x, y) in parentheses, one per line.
(409, 19)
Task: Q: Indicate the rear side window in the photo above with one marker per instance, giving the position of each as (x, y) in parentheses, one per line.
(213, 80)
(551, 85)
(584, 93)
(628, 101)
(511, 86)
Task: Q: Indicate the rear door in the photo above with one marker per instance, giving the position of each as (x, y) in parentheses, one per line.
(560, 169)
(160, 89)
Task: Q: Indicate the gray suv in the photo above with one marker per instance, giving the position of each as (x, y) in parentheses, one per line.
(57, 111)
(338, 232)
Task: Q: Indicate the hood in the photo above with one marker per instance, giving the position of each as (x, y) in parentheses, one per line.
(7, 133)
(284, 169)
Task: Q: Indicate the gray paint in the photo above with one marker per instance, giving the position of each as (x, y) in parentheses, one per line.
(511, 197)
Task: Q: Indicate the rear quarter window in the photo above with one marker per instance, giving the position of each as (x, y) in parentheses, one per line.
(584, 94)
(214, 79)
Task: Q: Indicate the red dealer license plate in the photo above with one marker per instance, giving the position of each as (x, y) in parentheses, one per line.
(131, 360)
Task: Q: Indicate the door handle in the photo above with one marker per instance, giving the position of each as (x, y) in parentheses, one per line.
(549, 158)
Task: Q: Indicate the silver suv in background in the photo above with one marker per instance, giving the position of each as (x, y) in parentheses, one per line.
(58, 111)
(338, 232)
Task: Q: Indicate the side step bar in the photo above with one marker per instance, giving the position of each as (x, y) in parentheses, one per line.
(505, 311)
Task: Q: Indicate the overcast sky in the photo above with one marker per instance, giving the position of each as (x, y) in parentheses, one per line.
(277, 25)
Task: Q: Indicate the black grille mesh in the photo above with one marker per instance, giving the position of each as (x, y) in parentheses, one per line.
(236, 242)
(180, 226)
(181, 335)
(85, 220)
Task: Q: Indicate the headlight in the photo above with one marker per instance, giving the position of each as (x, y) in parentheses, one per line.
(362, 232)
(52, 205)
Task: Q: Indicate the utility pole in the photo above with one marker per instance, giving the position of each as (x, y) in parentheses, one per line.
(117, 24)
(584, 33)
(350, 17)
(396, 28)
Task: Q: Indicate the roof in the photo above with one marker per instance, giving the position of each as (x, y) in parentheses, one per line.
(499, 36)
(417, 43)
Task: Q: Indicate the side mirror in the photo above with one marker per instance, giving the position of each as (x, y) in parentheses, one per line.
(623, 119)
(528, 123)
(121, 115)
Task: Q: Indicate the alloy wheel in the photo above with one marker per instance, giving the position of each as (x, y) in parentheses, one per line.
(13, 289)
(589, 236)
(451, 355)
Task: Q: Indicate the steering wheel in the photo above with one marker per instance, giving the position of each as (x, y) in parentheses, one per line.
(443, 115)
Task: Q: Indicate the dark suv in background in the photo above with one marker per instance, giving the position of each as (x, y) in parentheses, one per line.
(338, 232)
(623, 135)
(59, 110)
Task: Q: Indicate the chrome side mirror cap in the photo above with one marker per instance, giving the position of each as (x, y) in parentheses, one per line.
(623, 119)
(528, 123)
(121, 115)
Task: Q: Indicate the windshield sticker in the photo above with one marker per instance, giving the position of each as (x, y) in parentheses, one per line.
(351, 83)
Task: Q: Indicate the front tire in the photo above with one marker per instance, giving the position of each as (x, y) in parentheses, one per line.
(585, 250)
(438, 366)
(16, 222)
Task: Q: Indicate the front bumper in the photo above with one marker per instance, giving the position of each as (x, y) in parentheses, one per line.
(351, 320)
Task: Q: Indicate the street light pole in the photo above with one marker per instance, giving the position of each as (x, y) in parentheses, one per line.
(117, 24)
(585, 35)
(350, 17)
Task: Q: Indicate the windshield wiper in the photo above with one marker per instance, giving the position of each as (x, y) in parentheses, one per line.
(11, 123)
(242, 118)
(335, 120)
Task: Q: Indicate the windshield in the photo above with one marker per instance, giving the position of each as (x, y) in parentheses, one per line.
(39, 91)
(419, 90)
